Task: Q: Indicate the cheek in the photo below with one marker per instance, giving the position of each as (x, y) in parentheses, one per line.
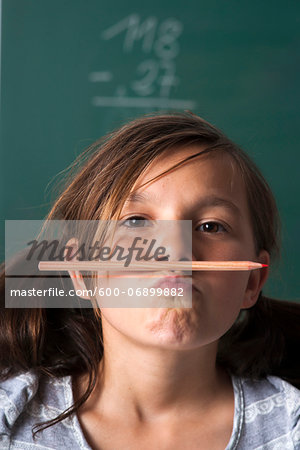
(141, 325)
(120, 312)
(120, 320)
(237, 245)
(223, 294)
(133, 290)
(223, 287)
(112, 316)
(116, 290)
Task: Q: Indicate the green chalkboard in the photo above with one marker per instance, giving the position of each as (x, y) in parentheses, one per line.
(74, 69)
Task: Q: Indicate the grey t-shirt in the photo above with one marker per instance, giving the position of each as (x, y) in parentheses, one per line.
(266, 414)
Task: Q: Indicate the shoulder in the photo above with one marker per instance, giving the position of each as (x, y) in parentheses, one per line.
(271, 412)
(15, 393)
(27, 399)
(267, 387)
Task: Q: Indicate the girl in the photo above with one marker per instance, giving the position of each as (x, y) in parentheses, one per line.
(219, 375)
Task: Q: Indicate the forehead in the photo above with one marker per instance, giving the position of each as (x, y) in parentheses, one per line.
(213, 171)
(209, 181)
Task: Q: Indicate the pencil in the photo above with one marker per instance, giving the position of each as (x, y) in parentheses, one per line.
(149, 266)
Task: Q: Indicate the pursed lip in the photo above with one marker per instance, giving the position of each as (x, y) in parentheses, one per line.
(175, 281)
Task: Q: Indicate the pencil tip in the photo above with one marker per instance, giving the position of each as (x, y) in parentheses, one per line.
(265, 265)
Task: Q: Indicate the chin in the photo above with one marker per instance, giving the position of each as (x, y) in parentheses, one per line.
(173, 327)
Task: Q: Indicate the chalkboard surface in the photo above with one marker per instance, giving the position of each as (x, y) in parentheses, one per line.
(73, 70)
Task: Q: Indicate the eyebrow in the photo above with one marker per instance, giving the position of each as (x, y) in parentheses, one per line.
(211, 200)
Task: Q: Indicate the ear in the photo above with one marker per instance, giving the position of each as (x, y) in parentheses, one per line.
(75, 275)
(257, 279)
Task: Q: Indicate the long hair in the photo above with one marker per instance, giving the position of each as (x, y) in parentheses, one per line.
(262, 341)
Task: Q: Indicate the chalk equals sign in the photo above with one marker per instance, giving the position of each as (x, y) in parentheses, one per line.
(98, 77)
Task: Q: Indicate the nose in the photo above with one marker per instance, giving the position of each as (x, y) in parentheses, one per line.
(175, 236)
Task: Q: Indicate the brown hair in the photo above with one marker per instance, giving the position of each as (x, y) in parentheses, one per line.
(262, 341)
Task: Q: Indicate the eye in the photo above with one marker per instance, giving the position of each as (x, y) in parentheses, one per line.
(136, 222)
(212, 227)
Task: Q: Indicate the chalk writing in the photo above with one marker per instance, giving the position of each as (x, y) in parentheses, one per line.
(154, 77)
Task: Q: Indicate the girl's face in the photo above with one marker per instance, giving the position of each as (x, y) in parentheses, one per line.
(208, 191)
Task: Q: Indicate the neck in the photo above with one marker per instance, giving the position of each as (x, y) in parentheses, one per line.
(145, 383)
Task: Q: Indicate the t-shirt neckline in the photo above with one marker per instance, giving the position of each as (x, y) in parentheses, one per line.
(237, 417)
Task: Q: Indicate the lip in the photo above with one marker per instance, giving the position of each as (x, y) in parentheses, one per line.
(176, 281)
